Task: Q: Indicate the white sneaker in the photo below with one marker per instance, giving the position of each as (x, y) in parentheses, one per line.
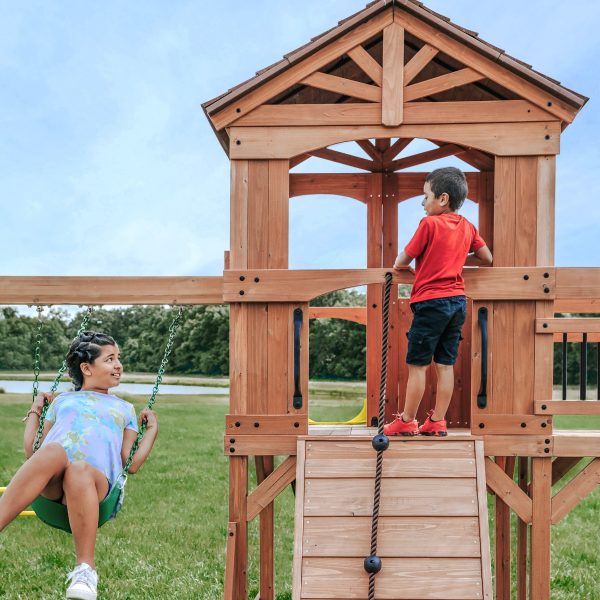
(84, 583)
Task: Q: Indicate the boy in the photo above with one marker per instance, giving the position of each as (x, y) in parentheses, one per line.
(443, 243)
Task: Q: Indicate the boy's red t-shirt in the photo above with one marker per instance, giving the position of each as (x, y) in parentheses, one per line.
(440, 246)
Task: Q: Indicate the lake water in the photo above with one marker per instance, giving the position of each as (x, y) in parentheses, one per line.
(25, 387)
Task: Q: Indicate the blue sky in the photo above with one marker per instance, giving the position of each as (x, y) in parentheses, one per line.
(109, 167)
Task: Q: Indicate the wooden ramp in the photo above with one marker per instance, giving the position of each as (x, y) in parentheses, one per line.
(433, 530)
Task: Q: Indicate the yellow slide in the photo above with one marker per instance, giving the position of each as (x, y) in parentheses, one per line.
(359, 419)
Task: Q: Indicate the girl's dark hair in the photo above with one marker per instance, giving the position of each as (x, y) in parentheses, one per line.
(452, 181)
(85, 348)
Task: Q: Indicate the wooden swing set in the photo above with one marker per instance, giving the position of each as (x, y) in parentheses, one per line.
(391, 73)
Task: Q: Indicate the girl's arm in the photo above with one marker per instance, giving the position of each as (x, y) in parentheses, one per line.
(32, 422)
(145, 445)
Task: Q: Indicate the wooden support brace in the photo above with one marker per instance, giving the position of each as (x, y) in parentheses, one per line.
(344, 159)
(418, 62)
(505, 488)
(441, 84)
(345, 87)
(271, 487)
(575, 491)
(367, 64)
(561, 465)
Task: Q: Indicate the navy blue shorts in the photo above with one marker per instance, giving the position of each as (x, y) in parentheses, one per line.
(435, 330)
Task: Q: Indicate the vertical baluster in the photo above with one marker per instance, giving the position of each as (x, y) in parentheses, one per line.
(564, 366)
(583, 368)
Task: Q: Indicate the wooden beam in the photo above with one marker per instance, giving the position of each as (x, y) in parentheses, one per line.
(343, 86)
(578, 282)
(418, 62)
(110, 290)
(561, 465)
(486, 66)
(367, 64)
(575, 325)
(395, 149)
(541, 491)
(344, 159)
(424, 157)
(238, 490)
(356, 314)
(575, 491)
(524, 424)
(370, 150)
(263, 424)
(510, 493)
(299, 71)
(577, 305)
(441, 84)
(522, 533)
(512, 139)
(567, 407)
(230, 564)
(271, 487)
(352, 185)
(297, 160)
(415, 113)
(393, 76)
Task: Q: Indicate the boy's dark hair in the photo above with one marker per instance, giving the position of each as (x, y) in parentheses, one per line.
(452, 181)
(85, 348)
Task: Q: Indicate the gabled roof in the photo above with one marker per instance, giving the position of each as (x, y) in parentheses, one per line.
(419, 10)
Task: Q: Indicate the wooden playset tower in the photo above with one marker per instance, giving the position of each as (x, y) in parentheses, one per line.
(389, 74)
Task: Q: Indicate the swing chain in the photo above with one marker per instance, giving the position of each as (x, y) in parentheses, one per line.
(161, 371)
(61, 371)
(37, 352)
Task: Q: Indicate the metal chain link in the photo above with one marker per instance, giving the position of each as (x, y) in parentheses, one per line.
(37, 353)
(380, 425)
(38, 435)
(161, 371)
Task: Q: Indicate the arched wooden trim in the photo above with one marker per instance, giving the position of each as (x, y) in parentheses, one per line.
(356, 314)
(510, 139)
(351, 185)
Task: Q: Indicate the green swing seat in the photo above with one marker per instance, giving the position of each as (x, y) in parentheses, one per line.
(55, 513)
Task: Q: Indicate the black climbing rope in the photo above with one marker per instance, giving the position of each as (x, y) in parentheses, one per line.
(372, 563)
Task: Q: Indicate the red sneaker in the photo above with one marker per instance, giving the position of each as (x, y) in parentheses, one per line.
(433, 427)
(400, 427)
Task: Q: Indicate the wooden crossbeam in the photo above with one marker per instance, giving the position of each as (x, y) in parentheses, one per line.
(577, 305)
(395, 149)
(575, 325)
(111, 290)
(441, 84)
(271, 487)
(367, 63)
(424, 157)
(567, 407)
(578, 282)
(370, 150)
(344, 159)
(418, 62)
(352, 185)
(393, 76)
(561, 465)
(297, 160)
(575, 491)
(343, 86)
(506, 489)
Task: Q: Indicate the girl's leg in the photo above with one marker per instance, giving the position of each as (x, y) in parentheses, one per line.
(85, 487)
(43, 468)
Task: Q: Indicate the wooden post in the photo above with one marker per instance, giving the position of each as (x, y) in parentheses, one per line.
(522, 531)
(238, 492)
(392, 99)
(503, 532)
(541, 494)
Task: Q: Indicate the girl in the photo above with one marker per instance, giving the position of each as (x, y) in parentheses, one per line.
(87, 437)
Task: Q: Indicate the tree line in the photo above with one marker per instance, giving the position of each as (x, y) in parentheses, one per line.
(337, 348)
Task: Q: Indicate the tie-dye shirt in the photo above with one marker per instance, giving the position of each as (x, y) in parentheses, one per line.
(89, 426)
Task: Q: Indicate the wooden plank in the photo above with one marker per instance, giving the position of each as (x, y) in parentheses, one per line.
(575, 491)
(271, 487)
(398, 467)
(484, 534)
(399, 578)
(400, 497)
(502, 540)
(399, 537)
(515, 445)
(524, 357)
(541, 491)
(238, 490)
(418, 62)
(260, 445)
(524, 424)
(343, 86)
(278, 214)
(577, 337)
(228, 592)
(357, 314)
(522, 534)
(507, 490)
(297, 72)
(238, 358)
(353, 185)
(574, 325)
(578, 282)
(361, 449)
(298, 521)
(393, 76)
(264, 468)
(562, 465)
(487, 67)
(504, 211)
(577, 305)
(442, 83)
(511, 139)
(344, 159)
(424, 157)
(576, 443)
(74, 290)
(261, 424)
(279, 328)
(288, 285)
(567, 407)
(238, 215)
(546, 189)
(367, 64)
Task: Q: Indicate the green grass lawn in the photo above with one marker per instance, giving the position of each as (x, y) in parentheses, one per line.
(169, 541)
